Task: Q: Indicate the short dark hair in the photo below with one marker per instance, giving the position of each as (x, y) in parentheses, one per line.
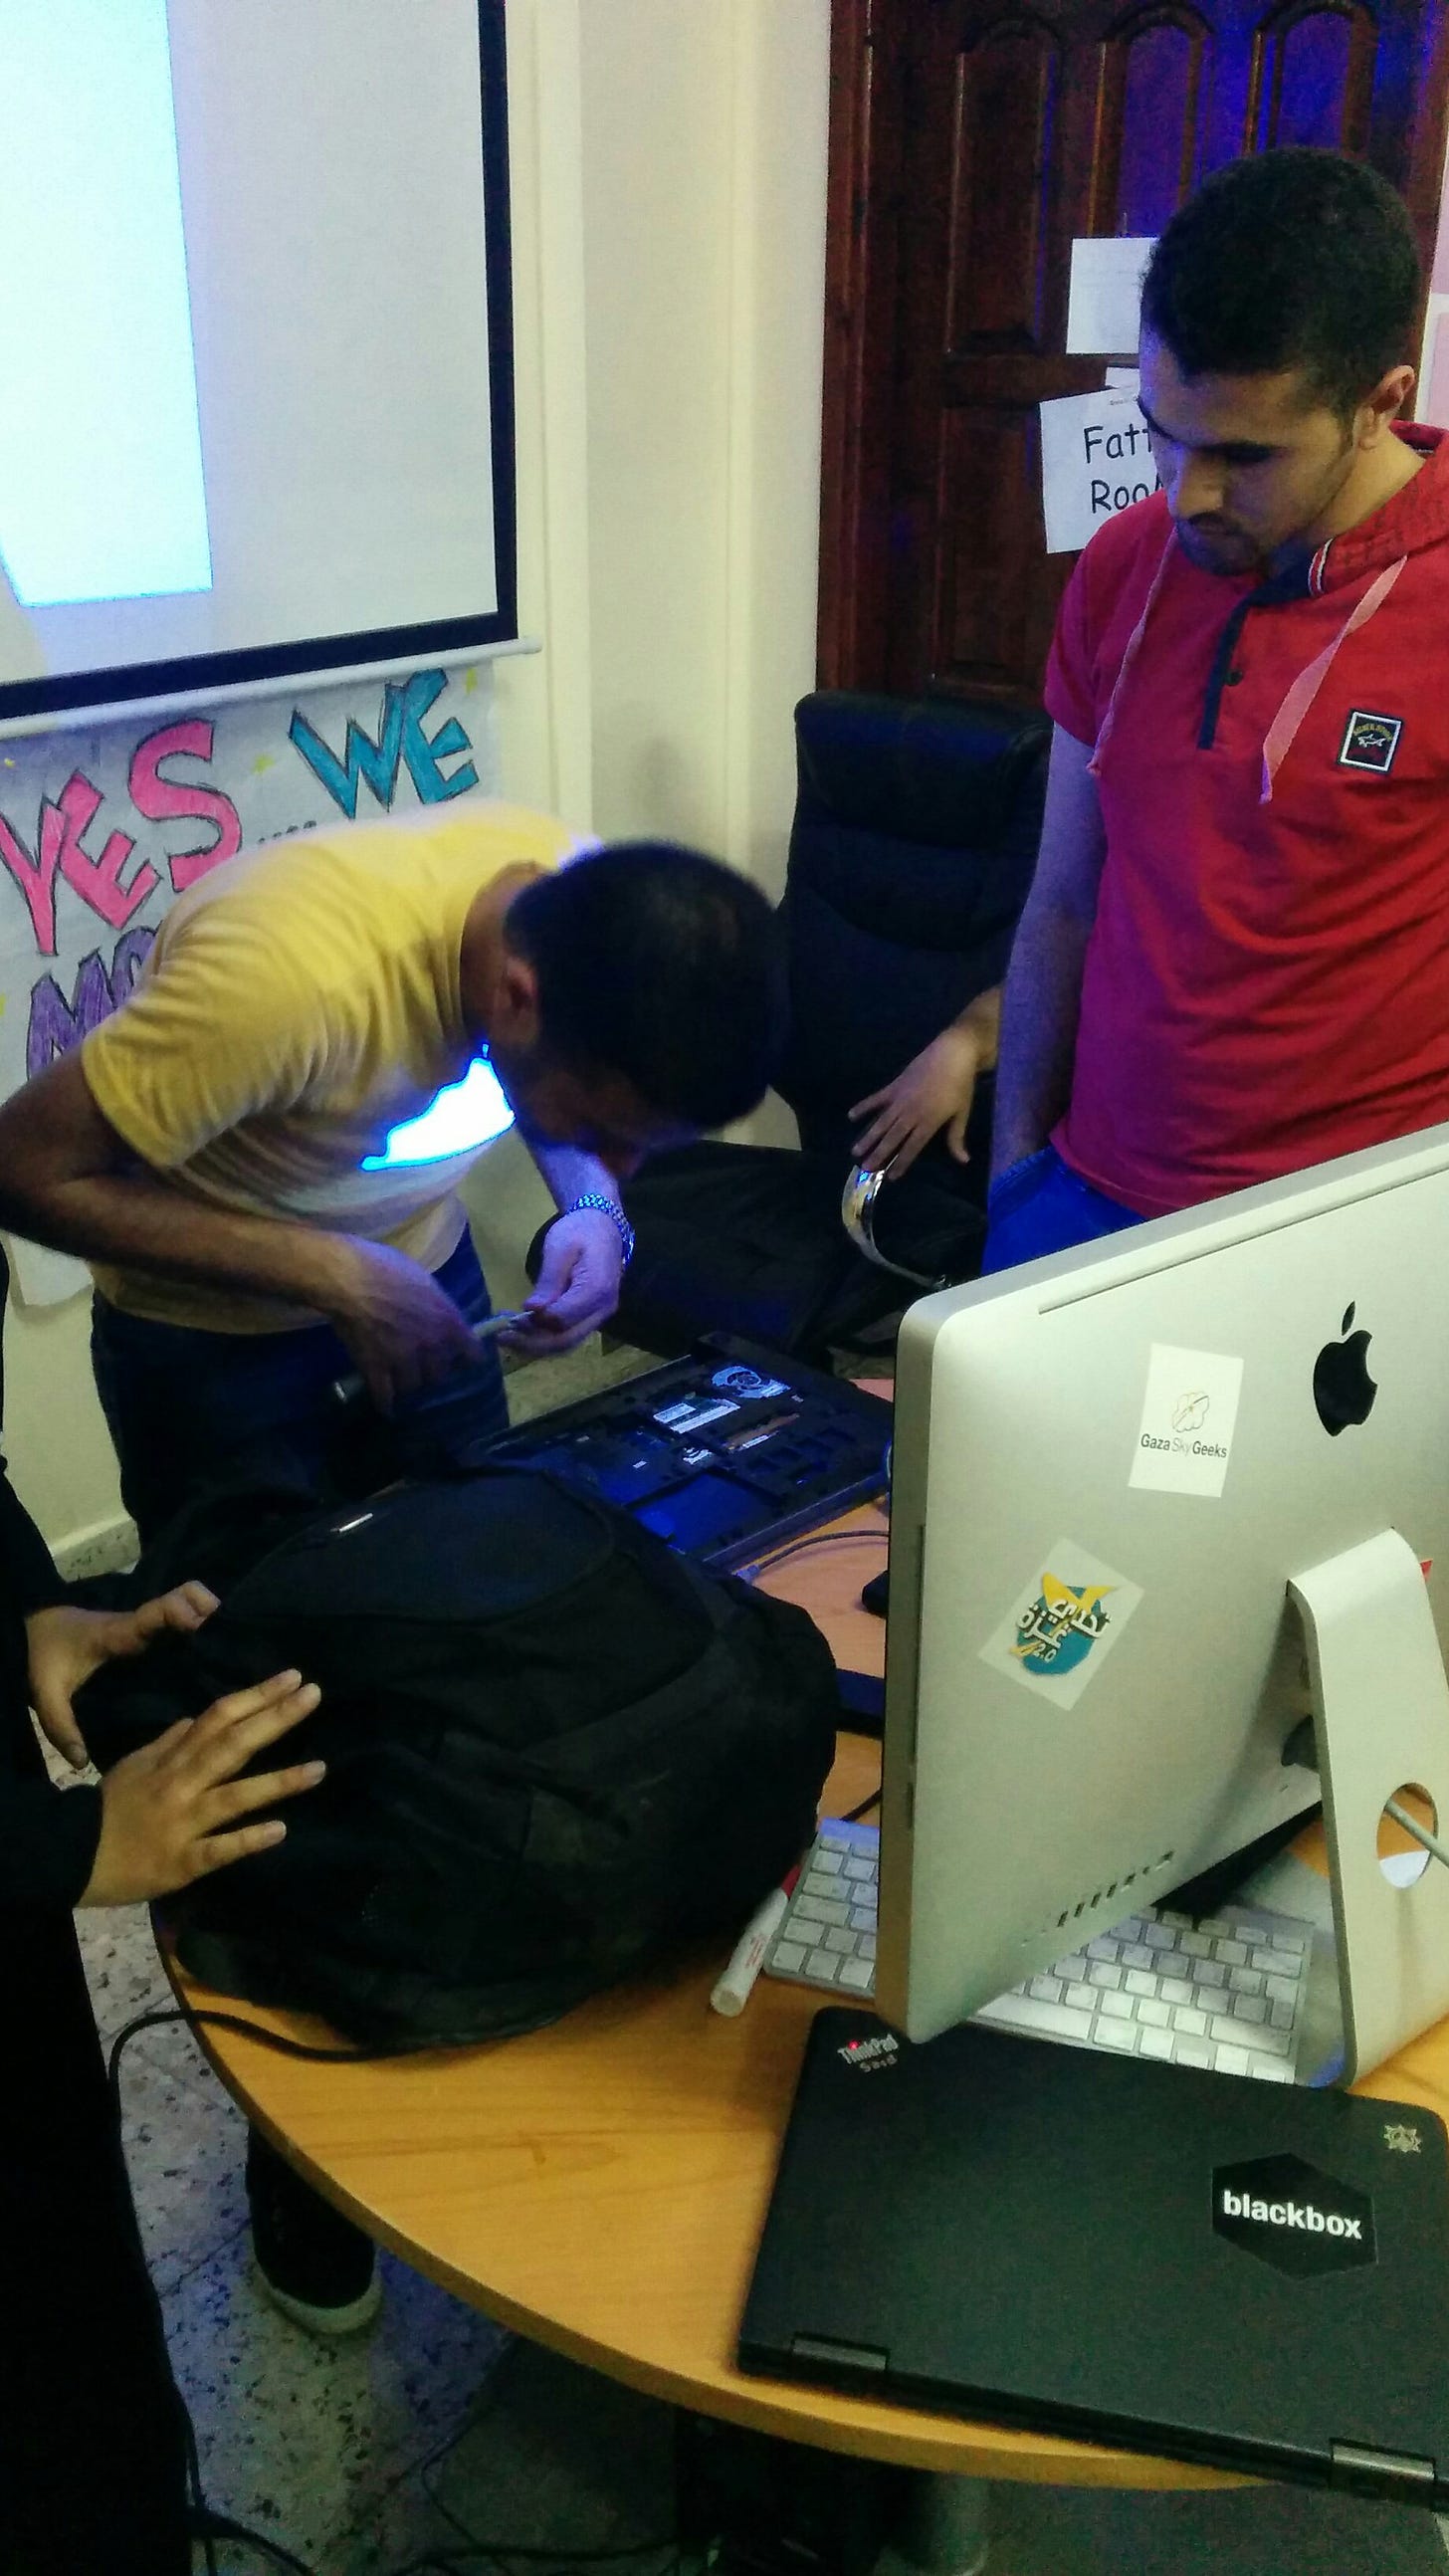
(659, 964)
(1298, 258)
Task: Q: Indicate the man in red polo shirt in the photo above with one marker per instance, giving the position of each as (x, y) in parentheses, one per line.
(1234, 961)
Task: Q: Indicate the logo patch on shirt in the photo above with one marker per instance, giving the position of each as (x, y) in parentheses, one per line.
(1369, 741)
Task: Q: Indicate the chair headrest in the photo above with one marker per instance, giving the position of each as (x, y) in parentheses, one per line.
(936, 770)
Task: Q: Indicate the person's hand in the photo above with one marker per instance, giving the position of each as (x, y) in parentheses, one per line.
(67, 1643)
(171, 1813)
(935, 1091)
(402, 1329)
(578, 1284)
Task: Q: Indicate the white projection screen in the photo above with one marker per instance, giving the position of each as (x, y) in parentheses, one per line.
(257, 415)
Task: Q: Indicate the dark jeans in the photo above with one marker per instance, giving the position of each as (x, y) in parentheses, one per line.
(1040, 1205)
(185, 1407)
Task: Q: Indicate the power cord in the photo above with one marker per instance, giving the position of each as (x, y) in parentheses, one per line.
(498, 2551)
(209, 2526)
(1420, 1833)
(1301, 1752)
(257, 2030)
(799, 1547)
(501, 2551)
(204, 2522)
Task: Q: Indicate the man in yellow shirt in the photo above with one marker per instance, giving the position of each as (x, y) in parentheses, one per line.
(216, 1148)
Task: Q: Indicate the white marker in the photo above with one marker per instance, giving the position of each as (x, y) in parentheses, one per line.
(731, 1991)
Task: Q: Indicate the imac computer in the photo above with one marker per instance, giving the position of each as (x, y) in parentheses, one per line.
(1154, 1502)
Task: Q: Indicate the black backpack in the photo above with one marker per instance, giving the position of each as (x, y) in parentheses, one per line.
(555, 1750)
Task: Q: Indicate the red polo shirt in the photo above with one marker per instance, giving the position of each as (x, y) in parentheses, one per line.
(1267, 978)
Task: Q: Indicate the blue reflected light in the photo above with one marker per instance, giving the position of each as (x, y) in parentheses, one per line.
(468, 1114)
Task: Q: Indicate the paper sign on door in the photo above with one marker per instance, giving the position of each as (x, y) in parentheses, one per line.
(1096, 459)
(1105, 296)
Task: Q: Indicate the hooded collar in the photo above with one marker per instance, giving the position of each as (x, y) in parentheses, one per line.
(1372, 554)
(1413, 518)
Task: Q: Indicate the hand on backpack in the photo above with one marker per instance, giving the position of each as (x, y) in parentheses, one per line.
(66, 1643)
(175, 1811)
(934, 1091)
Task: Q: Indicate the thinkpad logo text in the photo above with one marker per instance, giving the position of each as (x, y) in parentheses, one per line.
(868, 2056)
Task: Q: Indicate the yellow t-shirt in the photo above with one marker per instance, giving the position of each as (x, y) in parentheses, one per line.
(299, 1002)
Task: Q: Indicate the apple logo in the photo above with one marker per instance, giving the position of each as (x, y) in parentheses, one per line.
(1343, 1391)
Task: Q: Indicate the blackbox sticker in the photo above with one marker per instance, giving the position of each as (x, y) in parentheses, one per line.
(1189, 1414)
(1293, 2215)
(1064, 1624)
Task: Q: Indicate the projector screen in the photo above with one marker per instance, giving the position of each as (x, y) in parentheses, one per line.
(254, 300)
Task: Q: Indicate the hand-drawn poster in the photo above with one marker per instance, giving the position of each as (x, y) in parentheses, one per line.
(102, 826)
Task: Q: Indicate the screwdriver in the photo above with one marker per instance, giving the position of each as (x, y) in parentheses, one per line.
(347, 1389)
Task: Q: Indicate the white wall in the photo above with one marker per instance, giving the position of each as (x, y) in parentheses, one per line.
(669, 262)
(669, 273)
(704, 143)
(668, 167)
(55, 1439)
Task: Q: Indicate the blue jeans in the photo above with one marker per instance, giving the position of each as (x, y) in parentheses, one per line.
(1040, 1205)
(187, 1409)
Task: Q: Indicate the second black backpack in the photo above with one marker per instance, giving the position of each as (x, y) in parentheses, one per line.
(555, 1750)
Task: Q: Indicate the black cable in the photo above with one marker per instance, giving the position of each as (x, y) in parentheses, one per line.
(199, 2515)
(203, 2522)
(257, 2030)
(530, 2551)
(206, 2524)
(531, 2554)
(437, 2563)
(435, 2500)
(444, 2449)
(211, 2526)
(475, 2547)
(853, 1815)
(798, 1546)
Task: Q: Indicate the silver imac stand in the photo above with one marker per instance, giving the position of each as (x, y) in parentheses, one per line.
(1381, 1720)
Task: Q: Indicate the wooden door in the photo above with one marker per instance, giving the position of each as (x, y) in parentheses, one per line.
(971, 141)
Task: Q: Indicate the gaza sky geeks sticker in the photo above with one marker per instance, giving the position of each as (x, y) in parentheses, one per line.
(1063, 1625)
(1189, 1414)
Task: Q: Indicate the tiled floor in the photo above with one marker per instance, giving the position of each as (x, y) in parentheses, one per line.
(335, 2451)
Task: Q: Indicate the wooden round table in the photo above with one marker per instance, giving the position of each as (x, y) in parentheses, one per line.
(600, 2186)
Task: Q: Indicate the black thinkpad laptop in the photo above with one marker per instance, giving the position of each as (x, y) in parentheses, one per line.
(1250, 2275)
(725, 1453)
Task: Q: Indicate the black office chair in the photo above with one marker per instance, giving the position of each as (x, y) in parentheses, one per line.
(914, 839)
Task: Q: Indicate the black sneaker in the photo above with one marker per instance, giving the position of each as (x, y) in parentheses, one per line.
(314, 2265)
